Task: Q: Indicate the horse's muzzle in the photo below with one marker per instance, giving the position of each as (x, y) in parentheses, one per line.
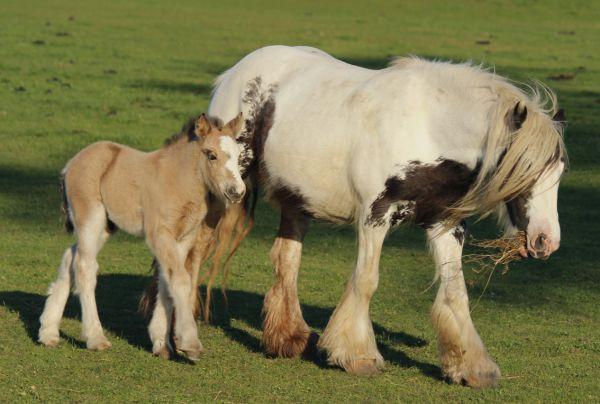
(539, 247)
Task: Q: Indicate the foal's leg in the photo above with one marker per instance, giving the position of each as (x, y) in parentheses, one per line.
(179, 284)
(349, 339)
(58, 294)
(285, 333)
(92, 235)
(463, 355)
(159, 327)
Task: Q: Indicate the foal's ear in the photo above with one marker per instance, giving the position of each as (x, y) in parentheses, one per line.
(202, 126)
(235, 124)
(517, 116)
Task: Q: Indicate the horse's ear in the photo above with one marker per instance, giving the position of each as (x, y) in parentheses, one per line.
(560, 118)
(517, 116)
(202, 126)
(235, 124)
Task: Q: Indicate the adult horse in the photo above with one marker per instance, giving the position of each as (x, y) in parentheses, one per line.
(425, 142)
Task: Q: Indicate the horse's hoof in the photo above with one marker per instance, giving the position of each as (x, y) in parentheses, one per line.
(363, 367)
(98, 344)
(291, 346)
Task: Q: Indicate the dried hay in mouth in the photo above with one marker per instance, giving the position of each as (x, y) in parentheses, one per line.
(493, 253)
(496, 252)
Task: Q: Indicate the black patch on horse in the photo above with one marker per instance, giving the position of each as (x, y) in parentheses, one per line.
(459, 232)
(433, 188)
(261, 111)
(517, 211)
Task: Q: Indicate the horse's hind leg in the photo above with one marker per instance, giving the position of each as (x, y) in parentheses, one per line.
(90, 223)
(58, 294)
(349, 339)
(285, 333)
(463, 355)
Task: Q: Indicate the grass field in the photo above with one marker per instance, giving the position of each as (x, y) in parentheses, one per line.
(72, 73)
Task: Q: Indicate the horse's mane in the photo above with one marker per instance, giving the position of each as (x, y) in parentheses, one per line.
(188, 130)
(513, 159)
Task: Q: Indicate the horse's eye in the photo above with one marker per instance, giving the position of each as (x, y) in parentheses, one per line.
(210, 155)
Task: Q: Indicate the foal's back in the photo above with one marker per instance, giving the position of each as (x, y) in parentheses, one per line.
(113, 175)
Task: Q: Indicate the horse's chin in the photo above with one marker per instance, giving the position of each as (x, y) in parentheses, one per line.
(523, 251)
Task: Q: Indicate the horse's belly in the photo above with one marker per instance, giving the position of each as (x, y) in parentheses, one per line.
(313, 183)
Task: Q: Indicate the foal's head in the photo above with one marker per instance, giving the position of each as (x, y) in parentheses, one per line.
(219, 155)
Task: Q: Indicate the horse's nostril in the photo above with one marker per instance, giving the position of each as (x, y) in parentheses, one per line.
(540, 243)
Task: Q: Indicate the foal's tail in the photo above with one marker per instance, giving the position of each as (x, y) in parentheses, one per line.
(65, 205)
(233, 227)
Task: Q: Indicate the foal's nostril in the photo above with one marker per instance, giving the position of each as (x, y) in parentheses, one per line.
(232, 193)
(540, 243)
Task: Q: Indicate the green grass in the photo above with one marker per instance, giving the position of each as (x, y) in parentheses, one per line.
(72, 73)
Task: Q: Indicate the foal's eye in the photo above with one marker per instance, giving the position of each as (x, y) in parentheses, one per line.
(210, 155)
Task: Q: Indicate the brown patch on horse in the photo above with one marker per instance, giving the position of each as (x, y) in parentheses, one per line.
(433, 188)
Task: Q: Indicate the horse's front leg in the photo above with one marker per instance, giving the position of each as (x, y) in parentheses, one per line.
(462, 353)
(349, 339)
(285, 333)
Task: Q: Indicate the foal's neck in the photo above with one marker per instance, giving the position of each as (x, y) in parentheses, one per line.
(184, 158)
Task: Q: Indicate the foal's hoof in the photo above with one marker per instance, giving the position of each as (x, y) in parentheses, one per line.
(193, 355)
(363, 367)
(481, 375)
(161, 350)
(48, 338)
(482, 379)
(191, 351)
(98, 344)
(162, 354)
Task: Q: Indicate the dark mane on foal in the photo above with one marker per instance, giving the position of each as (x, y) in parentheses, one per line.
(188, 130)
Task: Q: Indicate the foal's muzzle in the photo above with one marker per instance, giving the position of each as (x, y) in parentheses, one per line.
(234, 194)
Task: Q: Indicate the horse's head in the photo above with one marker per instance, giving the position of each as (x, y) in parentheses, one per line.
(523, 160)
(219, 157)
(535, 211)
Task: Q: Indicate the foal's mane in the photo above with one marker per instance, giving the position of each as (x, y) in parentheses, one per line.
(513, 158)
(188, 130)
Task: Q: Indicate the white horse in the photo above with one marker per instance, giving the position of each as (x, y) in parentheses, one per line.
(425, 142)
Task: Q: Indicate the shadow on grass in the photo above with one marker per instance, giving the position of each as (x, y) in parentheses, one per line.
(117, 297)
(168, 86)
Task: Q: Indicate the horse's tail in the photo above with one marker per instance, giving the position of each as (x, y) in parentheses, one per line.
(230, 231)
(65, 204)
